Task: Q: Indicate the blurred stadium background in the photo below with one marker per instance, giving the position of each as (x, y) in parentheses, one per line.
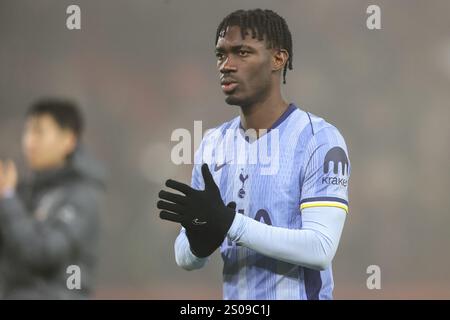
(141, 69)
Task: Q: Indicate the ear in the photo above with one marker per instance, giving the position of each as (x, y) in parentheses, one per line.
(69, 142)
(279, 59)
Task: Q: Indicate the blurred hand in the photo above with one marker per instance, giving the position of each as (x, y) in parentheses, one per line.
(8, 177)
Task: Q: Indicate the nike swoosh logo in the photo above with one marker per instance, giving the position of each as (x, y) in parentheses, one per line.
(218, 167)
(196, 222)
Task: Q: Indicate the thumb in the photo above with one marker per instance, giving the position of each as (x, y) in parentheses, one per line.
(207, 177)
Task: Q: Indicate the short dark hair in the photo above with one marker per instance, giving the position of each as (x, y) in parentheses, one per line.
(65, 112)
(261, 23)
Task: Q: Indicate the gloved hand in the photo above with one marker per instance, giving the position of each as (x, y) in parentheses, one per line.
(201, 212)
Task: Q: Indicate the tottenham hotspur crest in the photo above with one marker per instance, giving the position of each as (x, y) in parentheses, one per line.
(243, 178)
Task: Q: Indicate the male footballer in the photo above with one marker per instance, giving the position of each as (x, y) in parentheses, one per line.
(278, 229)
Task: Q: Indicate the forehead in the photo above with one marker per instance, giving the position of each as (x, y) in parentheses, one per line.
(233, 37)
(42, 121)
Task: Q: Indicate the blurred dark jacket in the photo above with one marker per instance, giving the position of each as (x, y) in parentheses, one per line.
(51, 223)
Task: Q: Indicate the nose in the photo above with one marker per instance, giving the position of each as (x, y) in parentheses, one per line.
(226, 66)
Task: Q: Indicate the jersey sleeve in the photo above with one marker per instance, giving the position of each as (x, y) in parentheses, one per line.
(326, 171)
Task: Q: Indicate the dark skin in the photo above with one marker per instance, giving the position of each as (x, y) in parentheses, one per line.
(250, 75)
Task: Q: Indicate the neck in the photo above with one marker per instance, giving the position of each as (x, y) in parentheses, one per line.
(263, 114)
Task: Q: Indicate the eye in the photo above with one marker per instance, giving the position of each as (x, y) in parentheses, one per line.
(219, 55)
(243, 53)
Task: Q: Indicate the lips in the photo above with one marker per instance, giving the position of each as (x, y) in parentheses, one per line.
(228, 85)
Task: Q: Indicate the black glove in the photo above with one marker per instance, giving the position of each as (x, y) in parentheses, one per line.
(201, 212)
(199, 239)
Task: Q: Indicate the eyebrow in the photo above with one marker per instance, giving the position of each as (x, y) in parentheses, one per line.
(235, 48)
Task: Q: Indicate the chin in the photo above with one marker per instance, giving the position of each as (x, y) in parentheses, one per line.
(231, 100)
(235, 101)
(35, 165)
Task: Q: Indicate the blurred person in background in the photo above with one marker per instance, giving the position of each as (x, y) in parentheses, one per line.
(50, 221)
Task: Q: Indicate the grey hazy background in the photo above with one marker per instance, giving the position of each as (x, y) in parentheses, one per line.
(141, 69)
